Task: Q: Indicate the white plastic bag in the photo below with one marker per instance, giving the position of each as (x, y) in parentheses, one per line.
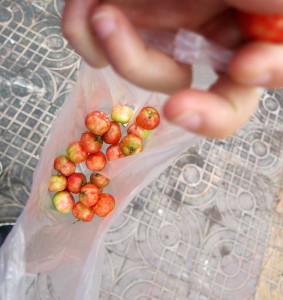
(189, 47)
(46, 256)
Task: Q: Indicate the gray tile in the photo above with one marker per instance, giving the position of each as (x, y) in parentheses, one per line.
(199, 231)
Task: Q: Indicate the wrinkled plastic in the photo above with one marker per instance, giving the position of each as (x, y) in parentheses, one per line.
(189, 47)
(45, 251)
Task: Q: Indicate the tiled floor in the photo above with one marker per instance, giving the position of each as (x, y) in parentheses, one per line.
(204, 229)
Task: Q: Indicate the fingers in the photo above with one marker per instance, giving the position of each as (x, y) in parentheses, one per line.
(108, 35)
(103, 34)
(259, 6)
(258, 64)
(77, 30)
(216, 113)
(131, 58)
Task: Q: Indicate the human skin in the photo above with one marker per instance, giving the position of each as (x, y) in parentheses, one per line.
(105, 33)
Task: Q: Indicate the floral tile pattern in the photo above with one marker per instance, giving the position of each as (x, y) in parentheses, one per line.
(206, 228)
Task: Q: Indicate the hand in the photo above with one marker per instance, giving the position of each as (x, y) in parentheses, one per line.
(104, 32)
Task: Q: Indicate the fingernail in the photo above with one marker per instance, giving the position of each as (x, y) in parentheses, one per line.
(191, 122)
(104, 24)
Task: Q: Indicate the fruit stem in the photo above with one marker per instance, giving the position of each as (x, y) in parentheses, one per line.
(78, 220)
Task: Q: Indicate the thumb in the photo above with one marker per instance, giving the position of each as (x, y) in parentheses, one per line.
(258, 6)
(131, 58)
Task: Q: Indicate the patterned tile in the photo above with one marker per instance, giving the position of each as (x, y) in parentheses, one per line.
(200, 231)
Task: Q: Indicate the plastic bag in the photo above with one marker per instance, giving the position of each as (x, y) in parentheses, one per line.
(189, 47)
(46, 256)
